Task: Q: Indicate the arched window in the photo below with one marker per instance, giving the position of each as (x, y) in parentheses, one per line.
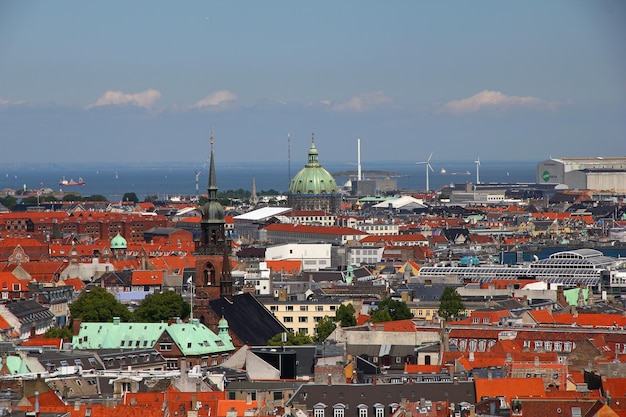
(339, 410)
(209, 274)
(319, 410)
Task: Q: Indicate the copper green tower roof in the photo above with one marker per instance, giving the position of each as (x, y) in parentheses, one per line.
(313, 178)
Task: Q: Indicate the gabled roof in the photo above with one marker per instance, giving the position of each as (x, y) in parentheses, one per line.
(508, 388)
(195, 339)
(117, 335)
(77, 283)
(147, 278)
(285, 266)
(44, 341)
(248, 319)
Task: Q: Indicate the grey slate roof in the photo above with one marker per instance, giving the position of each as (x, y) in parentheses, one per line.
(352, 395)
(248, 319)
(29, 311)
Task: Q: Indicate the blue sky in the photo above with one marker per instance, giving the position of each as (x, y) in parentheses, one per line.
(143, 81)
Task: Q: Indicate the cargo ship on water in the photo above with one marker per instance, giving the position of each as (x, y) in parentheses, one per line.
(71, 182)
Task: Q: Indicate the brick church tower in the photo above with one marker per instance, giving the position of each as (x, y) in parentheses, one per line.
(213, 277)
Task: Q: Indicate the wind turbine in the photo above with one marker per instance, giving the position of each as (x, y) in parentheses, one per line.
(427, 163)
(198, 172)
(477, 162)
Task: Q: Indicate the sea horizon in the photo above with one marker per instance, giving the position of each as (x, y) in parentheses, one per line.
(179, 178)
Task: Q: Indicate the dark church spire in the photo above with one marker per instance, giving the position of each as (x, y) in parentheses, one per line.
(212, 225)
(212, 190)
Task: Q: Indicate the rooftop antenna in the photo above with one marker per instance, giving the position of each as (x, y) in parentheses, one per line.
(477, 162)
(358, 159)
(427, 163)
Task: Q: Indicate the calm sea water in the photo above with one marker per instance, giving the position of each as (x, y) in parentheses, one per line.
(180, 179)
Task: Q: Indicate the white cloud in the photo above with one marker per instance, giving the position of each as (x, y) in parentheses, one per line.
(494, 100)
(145, 99)
(215, 99)
(363, 102)
(4, 102)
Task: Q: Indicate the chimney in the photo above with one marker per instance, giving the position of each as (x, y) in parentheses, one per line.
(37, 403)
(330, 379)
(76, 326)
(116, 321)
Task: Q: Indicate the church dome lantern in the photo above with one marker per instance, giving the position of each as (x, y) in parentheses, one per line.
(313, 187)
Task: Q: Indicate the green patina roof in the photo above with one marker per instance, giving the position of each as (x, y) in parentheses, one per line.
(16, 365)
(192, 338)
(373, 199)
(196, 339)
(313, 178)
(571, 295)
(118, 335)
(118, 242)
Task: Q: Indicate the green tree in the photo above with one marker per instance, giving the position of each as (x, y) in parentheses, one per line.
(380, 315)
(450, 305)
(72, 197)
(8, 202)
(49, 198)
(32, 199)
(64, 333)
(98, 305)
(345, 315)
(130, 197)
(398, 310)
(325, 326)
(161, 307)
(292, 339)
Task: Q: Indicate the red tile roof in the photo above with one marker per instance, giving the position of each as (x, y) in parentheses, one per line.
(508, 388)
(285, 266)
(147, 278)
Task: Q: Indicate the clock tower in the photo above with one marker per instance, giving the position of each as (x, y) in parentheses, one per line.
(213, 277)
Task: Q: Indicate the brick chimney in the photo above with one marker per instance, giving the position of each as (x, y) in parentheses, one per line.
(76, 323)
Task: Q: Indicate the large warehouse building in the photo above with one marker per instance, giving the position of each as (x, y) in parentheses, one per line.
(600, 173)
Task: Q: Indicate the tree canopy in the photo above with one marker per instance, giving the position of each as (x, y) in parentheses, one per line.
(325, 326)
(9, 201)
(161, 307)
(451, 305)
(345, 315)
(72, 197)
(98, 305)
(292, 339)
(391, 310)
(130, 197)
(64, 333)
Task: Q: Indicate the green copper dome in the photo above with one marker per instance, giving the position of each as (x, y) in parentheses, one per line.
(313, 178)
(118, 242)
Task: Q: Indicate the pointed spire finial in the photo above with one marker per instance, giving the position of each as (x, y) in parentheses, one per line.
(312, 137)
(212, 139)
